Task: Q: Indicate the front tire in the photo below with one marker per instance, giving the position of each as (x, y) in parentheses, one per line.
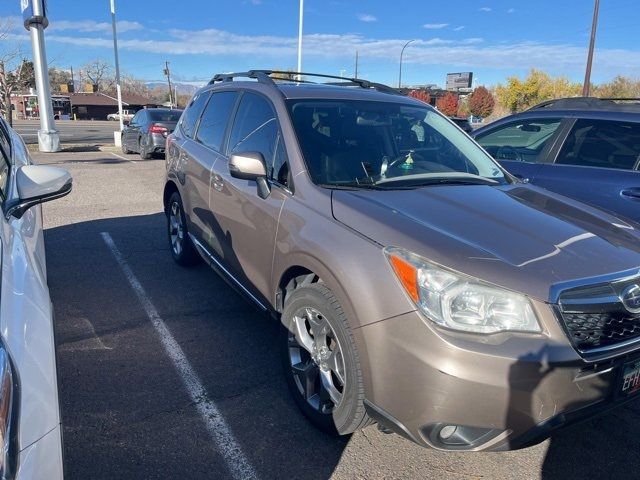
(182, 249)
(321, 362)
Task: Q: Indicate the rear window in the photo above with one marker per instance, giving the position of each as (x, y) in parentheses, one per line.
(192, 113)
(164, 115)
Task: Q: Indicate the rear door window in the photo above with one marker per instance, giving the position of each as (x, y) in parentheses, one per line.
(523, 140)
(215, 117)
(191, 115)
(603, 144)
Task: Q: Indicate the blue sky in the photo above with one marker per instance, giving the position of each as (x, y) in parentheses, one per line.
(492, 38)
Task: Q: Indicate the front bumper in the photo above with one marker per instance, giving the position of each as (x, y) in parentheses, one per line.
(501, 392)
(42, 459)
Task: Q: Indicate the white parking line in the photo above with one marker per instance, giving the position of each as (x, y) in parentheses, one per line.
(238, 464)
(123, 158)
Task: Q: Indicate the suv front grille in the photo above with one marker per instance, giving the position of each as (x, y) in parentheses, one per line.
(598, 330)
(595, 318)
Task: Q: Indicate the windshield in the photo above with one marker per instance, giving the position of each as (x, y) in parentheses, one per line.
(368, 144)
(165, 115)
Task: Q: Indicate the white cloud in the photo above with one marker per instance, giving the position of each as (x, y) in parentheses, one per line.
(466, 53)
(365, 17)
(511, 10)
(457, 29)
(435, 26)
(93, 26)
(485, 9)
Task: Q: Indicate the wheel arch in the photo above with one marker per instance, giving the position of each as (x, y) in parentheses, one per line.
(303, 268)
(169, 189)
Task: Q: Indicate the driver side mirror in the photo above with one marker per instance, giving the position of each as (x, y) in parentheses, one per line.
(250, 166)
(37, 184)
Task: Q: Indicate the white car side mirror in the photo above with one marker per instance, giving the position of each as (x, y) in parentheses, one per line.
(37, 184)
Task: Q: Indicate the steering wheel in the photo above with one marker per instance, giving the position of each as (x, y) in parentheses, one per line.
(508, 153)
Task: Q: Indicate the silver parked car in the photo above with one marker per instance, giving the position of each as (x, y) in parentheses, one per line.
(419, 284)
(30, 429)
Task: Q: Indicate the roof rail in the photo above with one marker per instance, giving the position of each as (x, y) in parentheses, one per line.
(259, 75)
(573, 103)
(265, 76)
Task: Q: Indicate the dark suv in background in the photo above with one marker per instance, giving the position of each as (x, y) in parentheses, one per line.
(585, 148)
(418, 284)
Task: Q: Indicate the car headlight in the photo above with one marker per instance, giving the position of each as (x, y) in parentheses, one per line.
(8, 416)
(458, 301)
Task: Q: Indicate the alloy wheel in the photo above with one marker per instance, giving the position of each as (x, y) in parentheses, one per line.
(176, 228)
(316, 360)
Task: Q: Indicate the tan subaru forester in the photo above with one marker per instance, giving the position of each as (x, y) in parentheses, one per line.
(419, 285)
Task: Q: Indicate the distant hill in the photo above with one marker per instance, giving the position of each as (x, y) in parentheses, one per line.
(184, 88)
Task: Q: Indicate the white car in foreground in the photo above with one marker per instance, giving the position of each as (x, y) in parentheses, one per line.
(30, 430)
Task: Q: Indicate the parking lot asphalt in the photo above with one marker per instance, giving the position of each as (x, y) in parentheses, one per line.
(70, 132)
(126, 411)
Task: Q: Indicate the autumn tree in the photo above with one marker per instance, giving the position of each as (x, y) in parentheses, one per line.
(619, 87)
(448, 104)
(421, 95)
(538, 86)
(481, 102)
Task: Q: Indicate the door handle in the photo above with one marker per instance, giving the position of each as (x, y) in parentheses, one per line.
(631, 193)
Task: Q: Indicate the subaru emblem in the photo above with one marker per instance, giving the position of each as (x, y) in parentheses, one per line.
(630, 298)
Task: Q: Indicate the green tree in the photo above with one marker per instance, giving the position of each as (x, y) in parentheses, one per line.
(481, 102)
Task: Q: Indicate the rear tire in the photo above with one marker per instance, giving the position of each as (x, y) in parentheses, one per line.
(144, 154)
(124, 147)
(322, 367)
(182, 249)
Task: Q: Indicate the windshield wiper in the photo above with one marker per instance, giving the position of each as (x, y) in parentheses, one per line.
(350, 186)
(426, 179)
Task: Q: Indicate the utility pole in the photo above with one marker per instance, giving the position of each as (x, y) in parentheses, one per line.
(35, 20)
(167, 73)
(73, 82)
(300, 20)
(356, 72)
(401, 54)
(592, 42)
(117, 136)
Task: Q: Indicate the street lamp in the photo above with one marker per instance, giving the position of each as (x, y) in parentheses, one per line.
(401, 54)
(300, 20)
(117, 137)
(594, 25)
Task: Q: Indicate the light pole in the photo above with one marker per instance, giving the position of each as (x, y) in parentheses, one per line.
(117, 136)
(592, 42)
(401, 54)
(35, 20)
(300, 20)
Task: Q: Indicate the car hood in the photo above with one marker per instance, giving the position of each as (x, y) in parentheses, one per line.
(517, 236)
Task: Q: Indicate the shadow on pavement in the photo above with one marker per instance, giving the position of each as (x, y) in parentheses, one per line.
(125, 411)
